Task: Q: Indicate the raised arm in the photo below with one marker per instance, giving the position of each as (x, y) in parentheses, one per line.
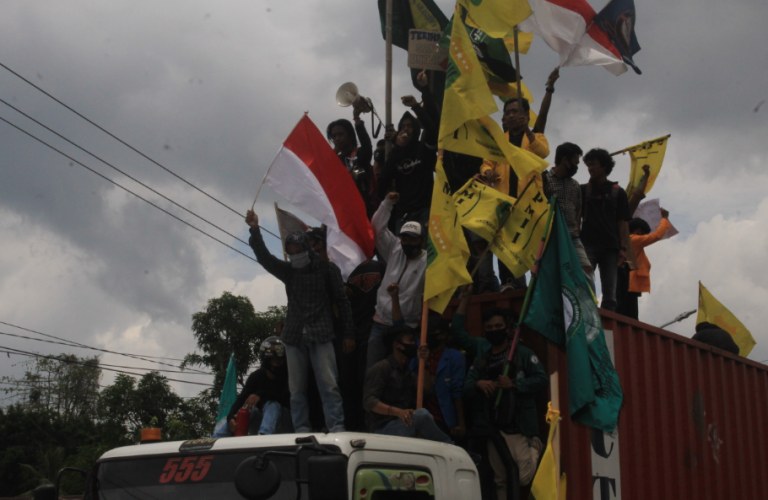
(649, 239)
(638, 193)
(274, 266)
(385, 240)
(467, 342)
(397, 313)
(541, 120)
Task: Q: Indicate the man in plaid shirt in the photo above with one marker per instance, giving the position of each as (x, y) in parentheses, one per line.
(316, 298)
(559, 181)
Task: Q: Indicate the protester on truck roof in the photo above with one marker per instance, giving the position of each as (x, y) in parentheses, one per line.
(379, 155)
(622, 278)
(390, 390)
(356, 159)
(604, 231)
(361, 288)
(558, 181)
(713, 335)
(317, 238)
(315, 292)
(411, 162)
(406, 263)
(640, 279)
(514, 424)
(265, 394)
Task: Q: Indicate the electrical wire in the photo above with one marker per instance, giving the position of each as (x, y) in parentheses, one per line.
(11, 350)
(117, 138)
(122, 172)
(72, 343)
(126, 189)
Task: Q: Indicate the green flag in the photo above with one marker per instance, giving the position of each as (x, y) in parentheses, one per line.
(563, 309)
(228, 394)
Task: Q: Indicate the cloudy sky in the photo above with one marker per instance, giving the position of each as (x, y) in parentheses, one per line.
(210, 90)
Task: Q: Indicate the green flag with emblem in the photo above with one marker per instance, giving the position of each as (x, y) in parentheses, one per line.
(228, 394)
(563, 309)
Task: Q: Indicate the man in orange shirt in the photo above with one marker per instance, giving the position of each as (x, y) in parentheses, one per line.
(502, 177)
(640, 279)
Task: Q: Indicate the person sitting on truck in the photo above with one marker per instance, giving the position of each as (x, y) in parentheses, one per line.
(515, 419)
(390, 391)
(715, 336)
(315, 292)
(265, 394)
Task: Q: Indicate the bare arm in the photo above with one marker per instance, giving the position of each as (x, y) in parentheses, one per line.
(541, 120)
(397, 313)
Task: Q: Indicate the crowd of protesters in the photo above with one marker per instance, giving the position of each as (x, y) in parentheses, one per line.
(353, 347)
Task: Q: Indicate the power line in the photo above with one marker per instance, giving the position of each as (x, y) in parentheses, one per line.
(11, 350)
(196, 372)
(125, 188)
(122, 172)
(72, 343)
(117, 138)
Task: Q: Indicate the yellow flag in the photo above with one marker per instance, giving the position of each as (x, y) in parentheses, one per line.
(422, 16)
(482, 210)
(649, 153)
(544, 486)
(712, 311)
(496, 17)
(465, 126)
(447, 250)
(524, 39)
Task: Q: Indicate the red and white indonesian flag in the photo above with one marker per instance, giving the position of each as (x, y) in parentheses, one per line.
(308, 174)
(567, 27)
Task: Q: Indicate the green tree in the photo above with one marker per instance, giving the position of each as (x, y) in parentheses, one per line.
(229, 324)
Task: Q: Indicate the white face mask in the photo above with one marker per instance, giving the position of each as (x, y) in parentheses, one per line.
(299, 260)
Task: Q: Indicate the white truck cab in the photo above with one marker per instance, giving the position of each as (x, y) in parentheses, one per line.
(341, 466)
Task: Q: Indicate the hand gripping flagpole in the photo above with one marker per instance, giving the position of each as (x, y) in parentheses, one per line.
(529, 292)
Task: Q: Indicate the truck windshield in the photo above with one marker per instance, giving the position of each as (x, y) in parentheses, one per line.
(201, 476)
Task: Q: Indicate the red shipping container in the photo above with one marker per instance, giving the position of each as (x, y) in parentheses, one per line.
(694, 423)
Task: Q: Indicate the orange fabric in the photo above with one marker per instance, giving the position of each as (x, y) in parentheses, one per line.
(640, 280)
(539, 147)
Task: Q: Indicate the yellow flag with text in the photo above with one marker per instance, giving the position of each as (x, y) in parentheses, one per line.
(482, 210)
(465, 126)
(544, 486)
(496, 17)
(712, 311)
(649, 153)
(447, 249)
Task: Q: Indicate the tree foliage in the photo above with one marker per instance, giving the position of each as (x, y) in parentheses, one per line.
(228, 325)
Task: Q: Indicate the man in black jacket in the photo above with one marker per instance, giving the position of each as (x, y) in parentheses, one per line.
(713, 335)
(411, 162)
(356, 159)
(265, 394)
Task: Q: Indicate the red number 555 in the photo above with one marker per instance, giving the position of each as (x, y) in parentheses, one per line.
(180, 470)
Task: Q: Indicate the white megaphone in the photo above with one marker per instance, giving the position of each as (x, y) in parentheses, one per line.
(348, 95)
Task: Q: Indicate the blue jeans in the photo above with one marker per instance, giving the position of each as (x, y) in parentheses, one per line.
(423, 423)
(324, 365)
(606, 259)
(376, 348)
(271, 419)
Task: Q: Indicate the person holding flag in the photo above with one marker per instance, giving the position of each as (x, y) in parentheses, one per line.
(314, 289)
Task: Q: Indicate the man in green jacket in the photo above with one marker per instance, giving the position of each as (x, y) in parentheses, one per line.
(515, 419)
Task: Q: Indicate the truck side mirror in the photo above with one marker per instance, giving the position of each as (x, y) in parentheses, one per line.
(327, 477)
(45, 492)
(257, 478)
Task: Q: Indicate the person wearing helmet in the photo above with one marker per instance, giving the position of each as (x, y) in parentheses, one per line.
(265, 393)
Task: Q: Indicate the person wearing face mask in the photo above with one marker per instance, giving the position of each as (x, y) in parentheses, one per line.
(558, 180)
(314, 289)
(406, 263)
(265, 394)
(390, 391)
(515, 419)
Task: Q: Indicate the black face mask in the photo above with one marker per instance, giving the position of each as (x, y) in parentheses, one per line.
(496, 337)
(571, 170)
(409, 350)
(279, 371)
(434, 341)
(411, 251)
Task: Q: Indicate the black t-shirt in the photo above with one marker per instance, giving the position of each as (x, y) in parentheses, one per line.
(266, 388)
(459, 168)
(601, 212)
(412, 168)
(364, 283)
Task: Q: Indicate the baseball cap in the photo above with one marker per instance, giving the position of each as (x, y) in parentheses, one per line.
(411, 228)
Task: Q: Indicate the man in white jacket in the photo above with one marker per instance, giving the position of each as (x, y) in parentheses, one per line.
(406, 264)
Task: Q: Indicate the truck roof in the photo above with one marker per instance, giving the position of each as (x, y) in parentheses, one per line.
(343, 440)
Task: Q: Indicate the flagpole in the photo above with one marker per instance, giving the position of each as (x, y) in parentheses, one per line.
(517, 71)
(529, 292)
(388, 83)
(420, 385)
